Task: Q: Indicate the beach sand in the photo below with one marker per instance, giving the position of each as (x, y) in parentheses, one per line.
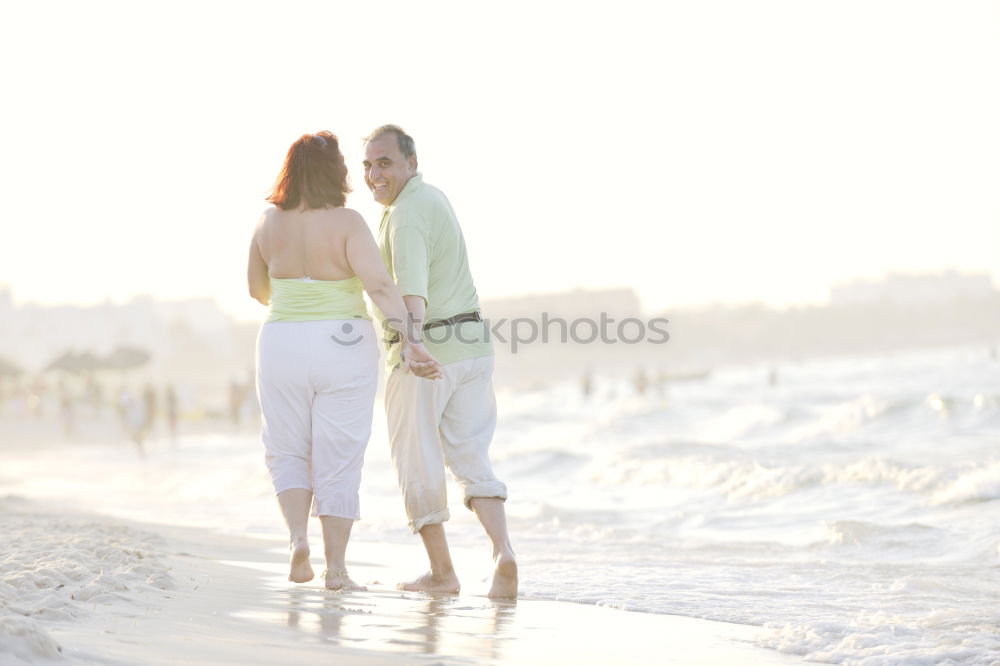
(84, 589)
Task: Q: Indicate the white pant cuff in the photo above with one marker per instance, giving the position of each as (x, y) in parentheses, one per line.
(484, 489)
(433, 518)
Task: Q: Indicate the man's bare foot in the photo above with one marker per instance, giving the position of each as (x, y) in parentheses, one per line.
(445, 584)
(300, 570)
(337, 579)
(504, 578)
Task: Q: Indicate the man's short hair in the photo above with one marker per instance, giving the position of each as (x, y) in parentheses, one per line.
(403, 140)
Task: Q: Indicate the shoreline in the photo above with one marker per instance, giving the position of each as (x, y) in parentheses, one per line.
(205, 598)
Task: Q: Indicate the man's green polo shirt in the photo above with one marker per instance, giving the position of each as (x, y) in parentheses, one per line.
(424, 250)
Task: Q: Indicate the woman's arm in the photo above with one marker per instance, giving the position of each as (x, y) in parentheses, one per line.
(257, 278)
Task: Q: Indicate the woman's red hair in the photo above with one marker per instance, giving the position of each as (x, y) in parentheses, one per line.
(313, 176)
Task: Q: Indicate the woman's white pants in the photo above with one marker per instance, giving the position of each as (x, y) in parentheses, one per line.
(316, 383)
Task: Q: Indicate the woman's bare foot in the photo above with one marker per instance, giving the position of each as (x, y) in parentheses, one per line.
(504, 577)
(337, 579)
(300, 570)
(445, 584)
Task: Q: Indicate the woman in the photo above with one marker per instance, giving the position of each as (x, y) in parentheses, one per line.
(317, 352)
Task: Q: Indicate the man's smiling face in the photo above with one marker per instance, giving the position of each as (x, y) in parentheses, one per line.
(386, 170)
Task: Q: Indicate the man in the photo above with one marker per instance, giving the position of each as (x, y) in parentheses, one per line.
(449, 421)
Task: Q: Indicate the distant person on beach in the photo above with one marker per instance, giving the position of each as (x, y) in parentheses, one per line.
(134, 417)
(67, 409)
(95, 395)
(172, 413)
(317, 353)
(149, 401)
(449, 422)
(235, 401)
(640, 381)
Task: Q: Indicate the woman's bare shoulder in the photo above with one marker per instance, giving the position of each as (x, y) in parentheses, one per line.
(266, 216)
(262, 221)
(349, 218)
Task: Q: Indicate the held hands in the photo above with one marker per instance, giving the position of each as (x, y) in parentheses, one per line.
(418, 360)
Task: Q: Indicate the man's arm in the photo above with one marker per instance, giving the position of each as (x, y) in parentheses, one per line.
(416, 307)
(410, 264)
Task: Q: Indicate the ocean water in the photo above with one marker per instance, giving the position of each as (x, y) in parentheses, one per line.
(850, 509)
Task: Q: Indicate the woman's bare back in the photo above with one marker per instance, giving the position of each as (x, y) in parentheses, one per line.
(307, 243)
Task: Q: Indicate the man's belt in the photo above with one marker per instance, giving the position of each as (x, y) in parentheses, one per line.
(450, 321)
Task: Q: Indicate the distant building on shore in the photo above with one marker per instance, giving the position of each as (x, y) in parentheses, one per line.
(556, 334)
(618, 303)
(901, 289)
(33, 335)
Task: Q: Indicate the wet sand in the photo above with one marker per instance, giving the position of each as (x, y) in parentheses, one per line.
(223, 599)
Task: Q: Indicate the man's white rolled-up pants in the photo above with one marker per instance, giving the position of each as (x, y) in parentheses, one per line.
(316, 382)
(437, 423)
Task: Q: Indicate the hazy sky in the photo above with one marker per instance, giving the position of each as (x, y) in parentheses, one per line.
(697, 151)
